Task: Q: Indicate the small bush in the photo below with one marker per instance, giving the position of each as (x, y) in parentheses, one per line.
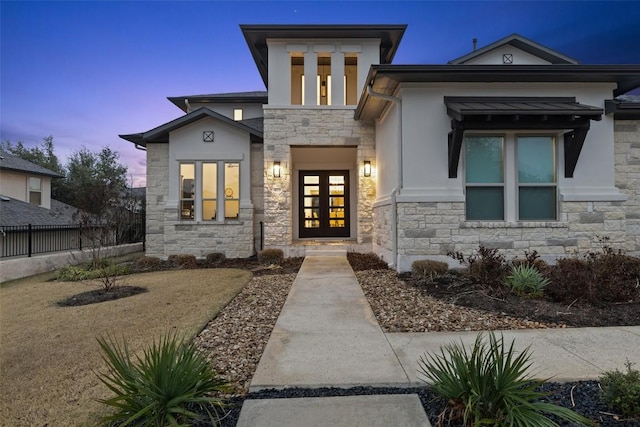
(162, 387)
(526, 279)
(487, 266)
(427, 269)
(271, 256)
(621, 390)
(490, 386)
(147, 263)
(533, 259)
(214, 258)
(183, 261)
(596, 278)
(73, 273)
(363, 262)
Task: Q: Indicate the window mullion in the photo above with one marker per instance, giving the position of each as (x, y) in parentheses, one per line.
(511, 183)
(220, 192)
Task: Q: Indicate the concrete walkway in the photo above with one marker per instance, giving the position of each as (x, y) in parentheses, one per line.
(327, 335)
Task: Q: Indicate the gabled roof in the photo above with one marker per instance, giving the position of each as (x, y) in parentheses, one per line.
(160, 134)
(522, 43)
(257, 97)
(13, 163)
(15, 212)
(257, 35)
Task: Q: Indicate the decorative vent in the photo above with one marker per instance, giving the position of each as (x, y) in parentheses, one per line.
(207, 136)
(507, 58)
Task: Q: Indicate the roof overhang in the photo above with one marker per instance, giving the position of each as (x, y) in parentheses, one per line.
(505, 113)
(622, 110)
(257, 35)
(386, 79)
(259, 97)
(161, 133)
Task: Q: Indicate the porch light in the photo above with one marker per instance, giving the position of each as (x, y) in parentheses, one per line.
(277, 170)
(323, 89)
(367, 168)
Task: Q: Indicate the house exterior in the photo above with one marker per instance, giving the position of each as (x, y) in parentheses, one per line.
(514, 146)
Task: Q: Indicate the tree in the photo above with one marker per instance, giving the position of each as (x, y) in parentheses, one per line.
(44, 156)
(97, 184)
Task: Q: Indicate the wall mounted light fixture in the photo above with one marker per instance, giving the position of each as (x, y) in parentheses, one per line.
(277, 170)
(367, 168)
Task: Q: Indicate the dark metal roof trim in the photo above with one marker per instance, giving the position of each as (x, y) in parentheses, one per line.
(386, 78)
(160, 134)
(460, 108)
(256, 97)
(256, 37)
(522, 43)
(622, 110)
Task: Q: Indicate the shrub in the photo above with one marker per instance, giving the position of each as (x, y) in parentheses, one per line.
(368, 261)
(487, 266)
(147, 263)
(427, 269)
(271, 256)
(532, 258)
(162, 387)
(183, 261)
(622, 390)
(490, 386)
(71, 273)
(526, 279)
(596, 278)
(214, 258)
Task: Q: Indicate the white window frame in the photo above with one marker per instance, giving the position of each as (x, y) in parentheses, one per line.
(220, 191)
(30, 190)
(510, 173)
(238, 114)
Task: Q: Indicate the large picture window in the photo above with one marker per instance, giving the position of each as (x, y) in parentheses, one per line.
(217, 186)
(510, 177)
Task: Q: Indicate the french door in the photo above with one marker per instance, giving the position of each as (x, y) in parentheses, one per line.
(324, 204)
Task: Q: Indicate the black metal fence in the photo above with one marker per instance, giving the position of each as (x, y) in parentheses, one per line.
(31, 239)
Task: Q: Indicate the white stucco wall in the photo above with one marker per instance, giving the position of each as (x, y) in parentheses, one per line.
(16, 185)
(520, 57)
(280, 51)
(426, 125)
(249, 110)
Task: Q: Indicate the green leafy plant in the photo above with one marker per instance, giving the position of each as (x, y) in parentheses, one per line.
(427, 269)
(526, 279)
(621, 390)
(72, 273)
(490, 386)
(162, 387)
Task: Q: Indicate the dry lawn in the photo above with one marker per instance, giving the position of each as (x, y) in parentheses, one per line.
(49, 354)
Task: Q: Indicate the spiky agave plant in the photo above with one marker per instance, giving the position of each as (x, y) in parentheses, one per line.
(490, 386)
(161, 387)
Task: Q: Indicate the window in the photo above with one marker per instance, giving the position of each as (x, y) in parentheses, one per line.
(512, 177)
(485, 177)
(237, 114)
(35, 190)
(536, 178)
(217, 185)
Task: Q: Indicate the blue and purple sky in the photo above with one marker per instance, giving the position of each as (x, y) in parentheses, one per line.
(86, 71)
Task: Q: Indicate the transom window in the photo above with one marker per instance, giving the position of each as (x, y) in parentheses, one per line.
(35, 190)
(512, 177)
(209, 190)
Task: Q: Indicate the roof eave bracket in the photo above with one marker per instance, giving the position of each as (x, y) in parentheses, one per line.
(573, 142)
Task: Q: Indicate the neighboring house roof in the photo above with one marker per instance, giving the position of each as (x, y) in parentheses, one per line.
(385, 79)
(257, 97)
(160, 134)
(15, 212)
(625, 107)
(257, 35)
(522, 43)
(13, 163)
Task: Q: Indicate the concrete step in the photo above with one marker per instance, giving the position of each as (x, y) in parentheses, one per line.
(326, 251)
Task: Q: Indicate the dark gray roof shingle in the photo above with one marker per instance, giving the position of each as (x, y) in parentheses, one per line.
(16, 212)
(13, 163)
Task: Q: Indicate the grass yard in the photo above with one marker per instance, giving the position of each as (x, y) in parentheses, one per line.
(49, 354)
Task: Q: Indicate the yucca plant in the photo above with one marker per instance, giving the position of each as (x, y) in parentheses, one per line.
(526, 279)
(162, 387)
(490, 386)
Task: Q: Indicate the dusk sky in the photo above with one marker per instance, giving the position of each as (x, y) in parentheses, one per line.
(86, 71)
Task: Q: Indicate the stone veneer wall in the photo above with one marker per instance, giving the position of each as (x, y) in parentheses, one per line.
(166, 235)
(257, 191)
(627, 152)
(284, 127)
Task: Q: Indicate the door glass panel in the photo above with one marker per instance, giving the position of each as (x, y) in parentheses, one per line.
(312, 179)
